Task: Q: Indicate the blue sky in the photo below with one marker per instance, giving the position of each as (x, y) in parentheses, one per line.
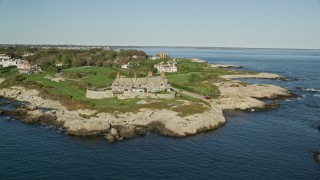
(214, 23)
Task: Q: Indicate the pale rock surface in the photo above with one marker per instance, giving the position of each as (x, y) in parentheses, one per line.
(259, 75)
(237, 96)
(87, 112)
(196, 60)
(223, 66)
(173, 124)
(142, 102)
(167, 122)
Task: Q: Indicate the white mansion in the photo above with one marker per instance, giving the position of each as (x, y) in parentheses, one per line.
(170, 66)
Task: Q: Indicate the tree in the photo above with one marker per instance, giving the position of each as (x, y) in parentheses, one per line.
(45, 64)
(194, 78)
(111, 55)
(154, 70)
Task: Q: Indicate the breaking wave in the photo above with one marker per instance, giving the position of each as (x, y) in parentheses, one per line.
(312, 90)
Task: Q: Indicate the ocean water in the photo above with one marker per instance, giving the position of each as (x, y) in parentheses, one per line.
(275, 144)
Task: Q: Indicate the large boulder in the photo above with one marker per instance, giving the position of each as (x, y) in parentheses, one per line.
(110, 138)
(86, 112)
(83, 127)
(316, 156)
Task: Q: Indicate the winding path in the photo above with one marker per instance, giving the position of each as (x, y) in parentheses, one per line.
(194, 95)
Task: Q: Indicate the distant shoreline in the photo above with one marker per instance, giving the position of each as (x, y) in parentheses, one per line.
(179, 47)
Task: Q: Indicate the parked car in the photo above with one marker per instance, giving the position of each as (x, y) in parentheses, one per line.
(208, 97)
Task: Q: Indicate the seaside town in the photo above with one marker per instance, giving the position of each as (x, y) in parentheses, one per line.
(23, 66)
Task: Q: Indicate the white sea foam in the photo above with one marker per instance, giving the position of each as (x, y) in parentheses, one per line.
(317, 95)
(312, 90)
(305, 78)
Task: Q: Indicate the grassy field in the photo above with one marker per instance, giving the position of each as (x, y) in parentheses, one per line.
(98, 76)
(57, 88)
(202, 87)
(8, 71)
(186, 66)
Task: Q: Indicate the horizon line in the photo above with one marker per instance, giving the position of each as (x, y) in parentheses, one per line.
(156, 46)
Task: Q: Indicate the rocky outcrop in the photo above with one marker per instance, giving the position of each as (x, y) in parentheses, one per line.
(35, 116)
(224, 66)
(30, 96)
(235, 95)
(316, 156)
(55, 79)
(113, 127)
(85, 127)
(167, 122)
(87, 112)
(196, 60)
(258, 75)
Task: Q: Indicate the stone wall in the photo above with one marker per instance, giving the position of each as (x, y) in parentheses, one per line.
(142, 95)
(166, 96)
(92, 94)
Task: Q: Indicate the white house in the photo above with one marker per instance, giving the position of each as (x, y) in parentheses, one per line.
(125, 66)
(11, 62)
(4, 58)
(166, 67)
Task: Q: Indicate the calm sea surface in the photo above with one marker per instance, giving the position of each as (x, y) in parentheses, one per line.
(261, 145)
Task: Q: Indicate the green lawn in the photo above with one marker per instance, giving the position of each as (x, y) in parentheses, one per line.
(57, 88)
(8, 71)
(202, 87)
(103, 75)
(178, 78)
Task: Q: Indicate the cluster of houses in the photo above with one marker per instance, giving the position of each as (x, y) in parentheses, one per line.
(23, 66)
(168, 67)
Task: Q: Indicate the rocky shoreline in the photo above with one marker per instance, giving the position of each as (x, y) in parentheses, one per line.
(249, 97)
(119, 126)
(256, 76)
(112, 126)
(224, 66)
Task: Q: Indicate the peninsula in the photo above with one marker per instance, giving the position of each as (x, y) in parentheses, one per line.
(126, 93)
